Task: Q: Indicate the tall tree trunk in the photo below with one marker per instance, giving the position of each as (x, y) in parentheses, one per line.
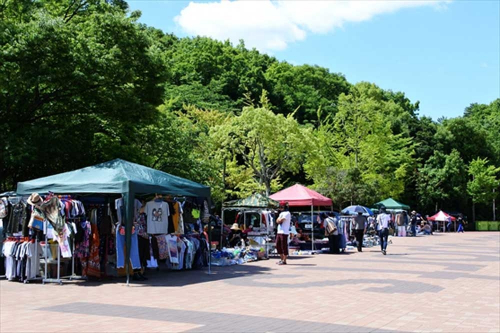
(494, 212)
(267, 182)
(436, 209)
(473, 211)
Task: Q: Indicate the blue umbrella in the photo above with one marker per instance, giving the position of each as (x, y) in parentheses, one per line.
(354, 210)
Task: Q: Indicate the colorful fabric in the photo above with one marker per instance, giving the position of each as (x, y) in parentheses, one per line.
(162, 247)
(94, 265)
(173, 252)
(62, 239)
(82, 248)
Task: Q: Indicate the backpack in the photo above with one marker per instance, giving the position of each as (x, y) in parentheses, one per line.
(330, 226)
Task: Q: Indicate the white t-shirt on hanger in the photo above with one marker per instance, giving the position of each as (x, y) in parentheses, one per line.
(157, 212)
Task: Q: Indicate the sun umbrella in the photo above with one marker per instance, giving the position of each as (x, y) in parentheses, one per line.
(354, 210)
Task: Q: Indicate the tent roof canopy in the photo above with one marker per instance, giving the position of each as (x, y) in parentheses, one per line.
(441, 216)
(256, 200)
(116, 176)
(299, 195)
(390, 203)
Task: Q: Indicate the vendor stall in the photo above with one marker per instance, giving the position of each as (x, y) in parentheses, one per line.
(118, 178)
(442, 217)
(260, 207)
(392, 205)
(301, 196)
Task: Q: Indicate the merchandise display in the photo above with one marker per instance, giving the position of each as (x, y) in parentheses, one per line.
(236, 256)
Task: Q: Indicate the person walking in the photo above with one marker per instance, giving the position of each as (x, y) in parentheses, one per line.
(359, 229)
(283, 222)
(383, 220)
(413, 222)
(460, 221)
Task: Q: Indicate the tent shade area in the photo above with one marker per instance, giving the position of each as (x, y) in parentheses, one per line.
(300, 196)
(391, 204)
(118, 177)
(256, 203)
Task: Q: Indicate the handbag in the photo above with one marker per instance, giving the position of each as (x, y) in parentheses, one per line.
(36, 220)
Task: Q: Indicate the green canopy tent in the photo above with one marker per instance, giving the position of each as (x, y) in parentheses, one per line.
(255, 202)
(116, 177)
(391, 204)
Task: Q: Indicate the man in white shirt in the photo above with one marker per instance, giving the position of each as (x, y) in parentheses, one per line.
(383, 220)
(283, 222)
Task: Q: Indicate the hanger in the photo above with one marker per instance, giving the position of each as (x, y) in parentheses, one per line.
(158, 198)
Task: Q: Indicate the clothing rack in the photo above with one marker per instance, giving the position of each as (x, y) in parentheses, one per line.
(23, 239)
(36, 278)
(46, 279)
(60, 278)
(73, 276)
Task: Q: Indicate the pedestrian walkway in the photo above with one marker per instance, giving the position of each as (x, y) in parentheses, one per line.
(441, 283)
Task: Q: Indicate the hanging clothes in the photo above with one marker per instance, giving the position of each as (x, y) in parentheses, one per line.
(173, 252)
(82, 241)
(176, 215)
(171, 226)
(94, 262)
(157, 217)
(63, 240)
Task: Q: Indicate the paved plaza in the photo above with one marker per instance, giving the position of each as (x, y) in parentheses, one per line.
(440, 283)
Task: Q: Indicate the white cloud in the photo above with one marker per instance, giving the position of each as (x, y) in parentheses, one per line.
(272, 25)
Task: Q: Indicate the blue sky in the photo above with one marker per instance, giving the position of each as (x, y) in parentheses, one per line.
(445, 54)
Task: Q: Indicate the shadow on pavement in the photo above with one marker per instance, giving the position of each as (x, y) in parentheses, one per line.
(207, 321)
(170, 278)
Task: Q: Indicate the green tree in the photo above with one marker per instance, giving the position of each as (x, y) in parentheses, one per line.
(441, 178)
(265, 143)
(483, 183)
(357, 157)
(304, 89)
(77, 82)
(487, 117)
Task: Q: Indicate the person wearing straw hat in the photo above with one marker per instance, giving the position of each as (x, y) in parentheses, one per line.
(283, 222)
(235, 235)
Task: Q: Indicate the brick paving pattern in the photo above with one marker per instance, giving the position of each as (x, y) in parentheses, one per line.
(440, 283)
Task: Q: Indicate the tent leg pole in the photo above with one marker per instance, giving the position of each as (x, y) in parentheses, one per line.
(221, 229)
(312, 229)
(128, 274)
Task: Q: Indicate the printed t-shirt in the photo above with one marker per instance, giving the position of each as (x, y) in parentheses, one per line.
(157, 212)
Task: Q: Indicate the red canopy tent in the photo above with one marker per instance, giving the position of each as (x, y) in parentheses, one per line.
(299, 195)
(442, 217)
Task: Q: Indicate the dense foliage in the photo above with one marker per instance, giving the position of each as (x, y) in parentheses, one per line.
(81, 82)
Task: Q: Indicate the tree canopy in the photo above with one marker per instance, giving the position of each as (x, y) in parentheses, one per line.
(82, 82)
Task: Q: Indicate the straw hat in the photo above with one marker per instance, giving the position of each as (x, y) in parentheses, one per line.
(235, 226)
(35, 199)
